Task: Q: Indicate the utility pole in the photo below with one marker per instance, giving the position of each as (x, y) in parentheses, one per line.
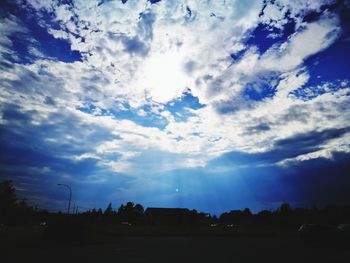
(70, 195)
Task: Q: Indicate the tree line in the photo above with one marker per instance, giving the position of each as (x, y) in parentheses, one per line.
(15, 211)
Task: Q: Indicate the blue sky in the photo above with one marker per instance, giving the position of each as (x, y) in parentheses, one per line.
(211, 105)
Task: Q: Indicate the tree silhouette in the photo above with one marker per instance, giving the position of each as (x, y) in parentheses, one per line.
(109, 210)
(284, 208)
(14, 211)
(246, 213)
(138, 209)
(7, 195)
(8, 202)
(130, 212)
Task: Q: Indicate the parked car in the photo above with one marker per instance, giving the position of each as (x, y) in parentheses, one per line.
(345, 228)
(345, 232)
(317, 233)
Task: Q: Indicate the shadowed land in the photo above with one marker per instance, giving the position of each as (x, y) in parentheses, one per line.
(131, 234)
(177, 249)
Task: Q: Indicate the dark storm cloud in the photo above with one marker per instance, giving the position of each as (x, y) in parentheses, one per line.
(50, 101)
(318, 181)
(47, 143)
(13, 113)
(31, 83)
(295, 113)
(21, 84)
(190, 66)
(230, 106)
(255, 89)
(262, 127)
(145, 25)
(308, 142)
(139, 44)
(135, 46)
(36, 164)
(285, 149)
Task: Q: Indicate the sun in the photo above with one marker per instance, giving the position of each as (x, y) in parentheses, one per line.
(164, 76)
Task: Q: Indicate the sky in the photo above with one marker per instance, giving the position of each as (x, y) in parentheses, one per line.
(209, 105)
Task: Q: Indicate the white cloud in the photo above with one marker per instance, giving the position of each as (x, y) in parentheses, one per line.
(177, 51)
(278, 13)
(9, 26)
(327, 151)
(313, 38)
(291, 81)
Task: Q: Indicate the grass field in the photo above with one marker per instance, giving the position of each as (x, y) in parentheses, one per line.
(25, 244)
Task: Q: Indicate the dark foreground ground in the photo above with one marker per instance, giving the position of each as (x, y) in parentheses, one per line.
(30, 248)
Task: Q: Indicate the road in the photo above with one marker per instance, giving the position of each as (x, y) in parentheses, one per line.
(179, 249)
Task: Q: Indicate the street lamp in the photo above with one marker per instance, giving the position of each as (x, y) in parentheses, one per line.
(74, 207)
(70, 195)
